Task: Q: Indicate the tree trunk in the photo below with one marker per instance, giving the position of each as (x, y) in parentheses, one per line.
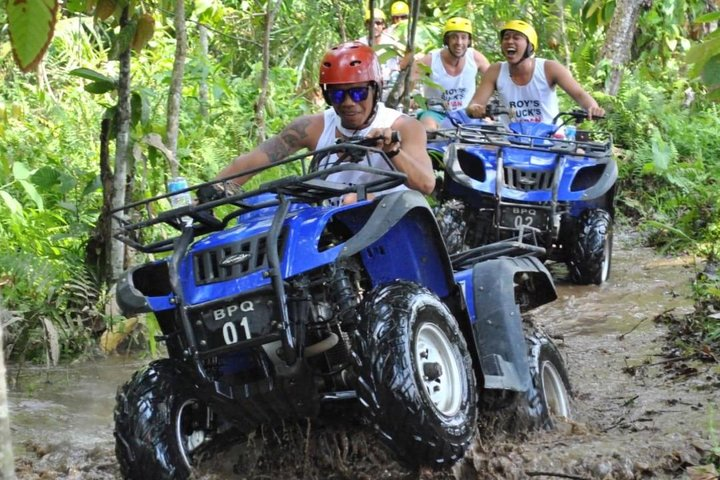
(122, 152)
(175, 93)
(96, 249)
(563, 31)
(618, 41)
(7, 464)
(410, 50)
(272, 7)
(203, 90)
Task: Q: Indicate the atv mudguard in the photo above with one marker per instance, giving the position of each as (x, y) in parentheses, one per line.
(144, 289)
(426, 262)
(498, 331)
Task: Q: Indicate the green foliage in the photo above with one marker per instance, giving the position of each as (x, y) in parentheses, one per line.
(31, 25)
(669, 163)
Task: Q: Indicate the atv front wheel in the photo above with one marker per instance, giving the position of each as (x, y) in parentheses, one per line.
(450, 218)
(416, 381)
(159, 423)
(591, 249)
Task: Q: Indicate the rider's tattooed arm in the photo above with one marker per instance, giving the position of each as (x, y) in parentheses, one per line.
(290, 140)
(303, 132)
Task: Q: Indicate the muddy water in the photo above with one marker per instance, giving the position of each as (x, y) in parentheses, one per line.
(632, 419)
(632, 416)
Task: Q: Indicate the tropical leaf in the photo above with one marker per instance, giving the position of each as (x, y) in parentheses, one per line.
(100, 87)
(708, 17)
(20, 171)
(76, 6)
(31, 24)
(46, 177)
(13, 205)
(700, 54)
(88, 74)
(32, 193)
(140, 110)
(711, 72)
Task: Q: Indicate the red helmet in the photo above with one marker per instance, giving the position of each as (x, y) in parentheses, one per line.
(350, 62)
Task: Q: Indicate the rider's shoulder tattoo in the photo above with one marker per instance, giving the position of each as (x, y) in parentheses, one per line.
(287, 142)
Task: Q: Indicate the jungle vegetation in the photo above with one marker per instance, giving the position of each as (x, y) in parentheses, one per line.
(245, 69)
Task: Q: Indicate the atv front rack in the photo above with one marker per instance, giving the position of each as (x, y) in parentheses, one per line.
(312, 186)
(587, 143)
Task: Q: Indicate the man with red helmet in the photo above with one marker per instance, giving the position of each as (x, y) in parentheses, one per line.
(526, 83)
(351, 83)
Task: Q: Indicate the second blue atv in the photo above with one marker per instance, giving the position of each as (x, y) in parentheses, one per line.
(529, 179)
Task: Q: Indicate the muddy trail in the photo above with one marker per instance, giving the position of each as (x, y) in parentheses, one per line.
(637, 412)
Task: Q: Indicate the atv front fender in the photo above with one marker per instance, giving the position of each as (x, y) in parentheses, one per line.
(500, 286)
(144, 289)
(401, 240)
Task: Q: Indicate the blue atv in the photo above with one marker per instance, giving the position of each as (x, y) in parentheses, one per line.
(277, 303)
(499, 182)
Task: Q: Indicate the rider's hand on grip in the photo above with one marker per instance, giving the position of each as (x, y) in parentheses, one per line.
(216, 191)
(476, 110)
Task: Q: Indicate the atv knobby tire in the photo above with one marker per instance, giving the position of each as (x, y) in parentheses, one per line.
(548, 398)
(591, 248)
(450, 217)
(416, 381)
(157, 418)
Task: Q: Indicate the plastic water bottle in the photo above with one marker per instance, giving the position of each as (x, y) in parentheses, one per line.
(570, 131)
(179, 199)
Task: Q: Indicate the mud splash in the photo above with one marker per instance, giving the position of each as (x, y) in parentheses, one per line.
(632, 419)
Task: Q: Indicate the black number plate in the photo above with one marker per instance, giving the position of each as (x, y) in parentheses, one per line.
(516, 217)
(234, 322)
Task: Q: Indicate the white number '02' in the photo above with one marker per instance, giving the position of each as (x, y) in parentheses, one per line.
(520, 221)
(230, 333)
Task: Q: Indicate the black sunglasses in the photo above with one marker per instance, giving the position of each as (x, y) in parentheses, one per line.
(357, 94)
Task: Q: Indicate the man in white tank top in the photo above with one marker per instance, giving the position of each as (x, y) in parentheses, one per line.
(384, 45)
(454, 69)
(351, 81)
(525, 83)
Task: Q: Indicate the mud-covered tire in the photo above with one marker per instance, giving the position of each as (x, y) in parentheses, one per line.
(450, 216)
(415, 378)
(154, 415)
(549, 396)
(590, 254)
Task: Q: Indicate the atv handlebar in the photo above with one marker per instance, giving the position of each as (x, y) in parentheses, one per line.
(310, 187)
(578, 115)
(352, 150)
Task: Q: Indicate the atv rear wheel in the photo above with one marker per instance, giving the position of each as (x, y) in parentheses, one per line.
(416, 381)
(591, 248)
(159, 423)
(548, 398)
